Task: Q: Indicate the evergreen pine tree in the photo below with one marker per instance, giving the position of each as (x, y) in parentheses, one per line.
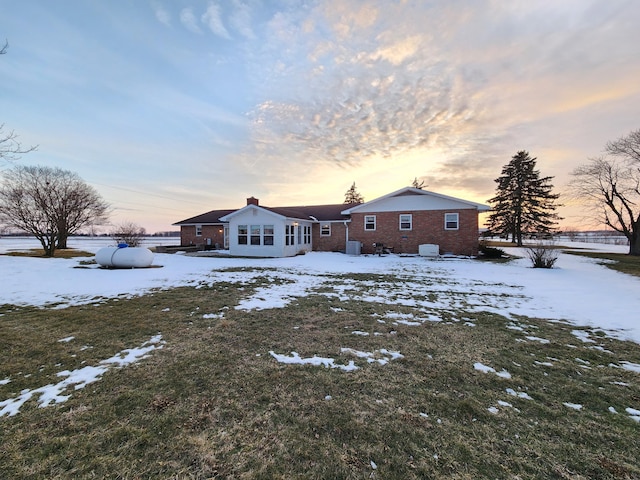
(523, 203)
(352, 195)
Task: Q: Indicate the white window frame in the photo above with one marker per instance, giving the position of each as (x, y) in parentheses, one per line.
(450, 218)
(289, 235)
(268, 235)
(243, 234)
(325, 230)
(409, 220)
(307, 234)
(368, 221)
(198, 230)
(255, 235)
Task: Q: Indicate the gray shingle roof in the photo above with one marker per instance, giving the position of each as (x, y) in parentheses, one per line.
(321, 213)
(208, 218)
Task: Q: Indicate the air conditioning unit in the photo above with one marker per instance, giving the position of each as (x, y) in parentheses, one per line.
(428, 250)
(353, 247)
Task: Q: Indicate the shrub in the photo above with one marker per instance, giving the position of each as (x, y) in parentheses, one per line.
(129, 233)
(491, 252)
(542, 256)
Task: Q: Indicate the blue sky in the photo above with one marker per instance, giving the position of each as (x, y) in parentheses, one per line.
(171, 108)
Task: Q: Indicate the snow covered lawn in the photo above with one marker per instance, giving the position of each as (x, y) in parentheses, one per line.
(401, 367)
(579, 290)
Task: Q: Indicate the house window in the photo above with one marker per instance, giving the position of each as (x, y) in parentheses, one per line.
(369, 222)
(242, 234)
(451, 221)
(267, 238)
(325, 230)
(406, 222)
(289, 235)
(255, 234)
(307, 234)
(198, 230)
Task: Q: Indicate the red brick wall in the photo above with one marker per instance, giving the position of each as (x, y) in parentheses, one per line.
(428, 227)
(214, 232)
(334, 243)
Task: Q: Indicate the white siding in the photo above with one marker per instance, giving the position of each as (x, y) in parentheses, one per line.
(407, 203)
(258, 216)
(299, 243)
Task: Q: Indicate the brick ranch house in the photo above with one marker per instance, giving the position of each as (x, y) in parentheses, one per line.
(401, 221)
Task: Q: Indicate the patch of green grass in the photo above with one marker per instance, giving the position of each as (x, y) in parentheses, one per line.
(213, 402)
(629, 264)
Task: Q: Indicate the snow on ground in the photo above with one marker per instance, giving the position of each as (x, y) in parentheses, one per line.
(486, 369)
(578, 290)
(315, 360)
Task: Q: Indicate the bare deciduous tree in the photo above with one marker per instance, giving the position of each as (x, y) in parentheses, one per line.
(49, 203)
(129, 233)
(626, 148)
(10, 147)
(609, 187)
(77, 205)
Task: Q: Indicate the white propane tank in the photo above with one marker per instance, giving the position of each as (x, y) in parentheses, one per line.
(124, 256)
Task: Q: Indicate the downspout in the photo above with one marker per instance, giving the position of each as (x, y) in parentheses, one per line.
(346, 229)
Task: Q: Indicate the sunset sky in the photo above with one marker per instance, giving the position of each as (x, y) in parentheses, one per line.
(171, 108)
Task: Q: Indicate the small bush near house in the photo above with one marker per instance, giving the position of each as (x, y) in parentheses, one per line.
(491, 252)
(542, 256)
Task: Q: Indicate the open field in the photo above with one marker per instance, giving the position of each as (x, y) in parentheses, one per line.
(403, 368)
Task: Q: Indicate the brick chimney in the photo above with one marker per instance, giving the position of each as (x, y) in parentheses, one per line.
(252, 201)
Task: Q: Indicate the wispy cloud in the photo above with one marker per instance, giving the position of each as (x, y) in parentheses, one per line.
(271, 94)
(366, 90)
(162, 15)
(189, 20)
(213, 19)
(240, 19)
(374, 111)
(466, 83)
